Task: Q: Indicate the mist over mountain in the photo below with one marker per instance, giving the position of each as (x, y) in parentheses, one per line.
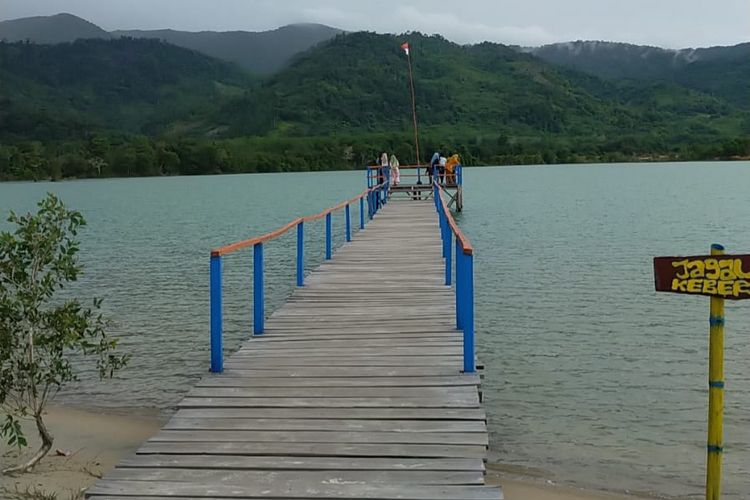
(263, 52)
(623, 60)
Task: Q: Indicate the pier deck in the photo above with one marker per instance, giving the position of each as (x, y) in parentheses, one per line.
(354, 391)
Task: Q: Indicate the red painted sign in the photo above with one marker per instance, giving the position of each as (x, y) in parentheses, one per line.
(725, 276)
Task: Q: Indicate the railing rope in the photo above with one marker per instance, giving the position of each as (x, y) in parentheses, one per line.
(215, 271)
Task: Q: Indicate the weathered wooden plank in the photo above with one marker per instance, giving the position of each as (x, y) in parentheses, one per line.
(263, 436)
(239, 462)
(371, 402)
(322, 477)
(178, 422)
(281, 381)
(340, 413)
(290, 490)
(344, 371)
(315, 449)
(467, 393)
(278, 360)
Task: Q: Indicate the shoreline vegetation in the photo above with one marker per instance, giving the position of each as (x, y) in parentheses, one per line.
(144, 157)
(91, 441)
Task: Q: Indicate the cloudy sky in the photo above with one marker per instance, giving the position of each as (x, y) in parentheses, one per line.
(667, 23)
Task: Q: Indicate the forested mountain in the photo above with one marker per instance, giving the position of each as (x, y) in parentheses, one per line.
(49, 29)
(145, 107)
(358, 82)
(716, 70)
(132, 86)
(263, 52)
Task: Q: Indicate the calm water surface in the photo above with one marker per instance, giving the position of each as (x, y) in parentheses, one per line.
(590, 375)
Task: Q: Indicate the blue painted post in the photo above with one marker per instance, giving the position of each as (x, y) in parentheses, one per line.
(301, 254)
(459, 284)
(362, 213)
(258, 302)
(328, 236)
(367, 176)
(447, 249)
(217, 353)
(468, 313)
(444, 231)
(348, 224)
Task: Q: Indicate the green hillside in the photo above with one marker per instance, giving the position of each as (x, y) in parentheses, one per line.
(137, 86)
(144, 107)
(489, 98)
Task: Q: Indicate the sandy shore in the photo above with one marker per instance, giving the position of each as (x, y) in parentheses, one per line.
(95, 441)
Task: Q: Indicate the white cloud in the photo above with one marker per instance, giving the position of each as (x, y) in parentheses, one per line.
(452, 27)
(671, 23)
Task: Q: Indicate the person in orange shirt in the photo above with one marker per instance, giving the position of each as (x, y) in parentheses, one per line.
(450, 169)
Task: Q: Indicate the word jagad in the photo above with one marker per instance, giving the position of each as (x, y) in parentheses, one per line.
(727, 277)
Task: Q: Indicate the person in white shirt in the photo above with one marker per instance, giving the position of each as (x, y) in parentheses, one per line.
(395, 174)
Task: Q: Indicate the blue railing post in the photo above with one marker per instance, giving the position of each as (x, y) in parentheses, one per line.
(348, 224)
(367, 176)
(258, 302)
(328, 236)
(447, 249)
(362, 213)
(459, 284)
(444, 231)
(301, 254)
(217, 353)
(468, 312)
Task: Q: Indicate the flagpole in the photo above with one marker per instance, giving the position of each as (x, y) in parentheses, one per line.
(413, 105)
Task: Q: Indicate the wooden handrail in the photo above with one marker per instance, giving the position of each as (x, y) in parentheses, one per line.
(233, 247)
(463, 240)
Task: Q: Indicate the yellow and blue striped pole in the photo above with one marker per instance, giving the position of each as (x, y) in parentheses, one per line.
(715, 393)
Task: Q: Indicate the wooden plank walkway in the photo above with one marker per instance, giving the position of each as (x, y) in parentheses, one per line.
(353, 392)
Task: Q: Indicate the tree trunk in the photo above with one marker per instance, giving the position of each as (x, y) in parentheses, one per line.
(47, 440)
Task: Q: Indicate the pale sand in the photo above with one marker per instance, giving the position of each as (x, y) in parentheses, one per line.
(97, 440)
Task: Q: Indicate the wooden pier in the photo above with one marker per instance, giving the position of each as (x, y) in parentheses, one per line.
(354, 390)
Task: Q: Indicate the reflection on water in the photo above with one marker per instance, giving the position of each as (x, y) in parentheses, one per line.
(590, 375)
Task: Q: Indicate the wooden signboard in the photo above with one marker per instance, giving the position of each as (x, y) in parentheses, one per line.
(724, 276)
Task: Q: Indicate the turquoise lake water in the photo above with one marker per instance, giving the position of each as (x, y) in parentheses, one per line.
(592, 378)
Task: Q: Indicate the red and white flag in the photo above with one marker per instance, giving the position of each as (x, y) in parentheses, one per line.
(405, 46)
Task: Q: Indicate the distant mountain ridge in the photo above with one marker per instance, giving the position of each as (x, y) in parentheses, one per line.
(624, 60)
(261, 52)
(59, 28)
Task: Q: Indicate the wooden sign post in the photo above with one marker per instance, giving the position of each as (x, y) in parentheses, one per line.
(720, 277)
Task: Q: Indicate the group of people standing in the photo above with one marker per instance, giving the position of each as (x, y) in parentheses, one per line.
(444, 168)
(393, 163)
